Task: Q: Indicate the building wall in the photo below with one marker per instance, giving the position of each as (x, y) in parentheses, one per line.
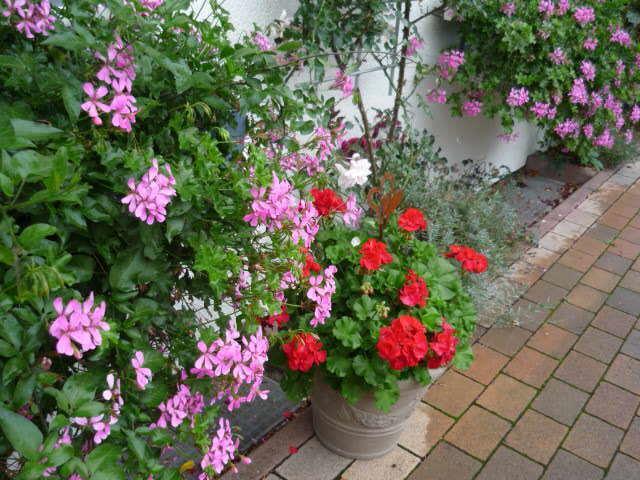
(459, 138)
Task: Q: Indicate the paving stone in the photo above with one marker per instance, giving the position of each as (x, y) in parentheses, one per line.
(507, 340)
(541, 257)
(478, 432)
(598, 344)
(613, 263)
(562, 276)
(446, 462)
(560, 401)
(566, 466)
(594, 206)
(580, 371)
(614, 321)
(625, 372)
(587, 298)
(425, 428)
(624, 248)
(625, 300)
(552, 340)
(636, 265)
(623, 468)
(593, 440)
(631, 443)
(509, 465)
(581, 217)
(507, 397)
(613, 404)
(529, 315)
(545, 293)
(631, 345)
(631, 281)
(271, 476)
(613, 220)
(267, 455)
(602, 232)
(578, 260)
(453, 393)
(396, 464)
(571, 318)
(601, 279)
(536, 436)
(531, 367)
(524, 273)
(554, 242)
(624, 209)
(486, 364)
(569, 230)
(631, 234)
(591, 245)
(313, 462)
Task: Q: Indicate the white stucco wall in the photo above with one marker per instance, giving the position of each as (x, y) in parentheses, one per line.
(459, 138)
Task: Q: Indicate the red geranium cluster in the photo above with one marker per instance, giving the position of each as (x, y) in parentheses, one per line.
(304, 351)
(412, 220)
(403, 343)
(310, 265)
(414, 292)
(469, 259)
(327, 201)
(279, 318)
(442, 347)
(374, 255)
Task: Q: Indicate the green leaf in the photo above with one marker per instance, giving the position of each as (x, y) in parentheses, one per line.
(351, 390)
(71, 103)
(33, 130)
(61, 455)
(364, 367)
(6, 185)
(464, 356)
(102, 456)
(6, 350)
(290, 46)
(137, 446)
(339, 365)
(6, 255)
(348, 332)
(24, 390)
(386, 397)
(31, 236)
(67, 40)
(89, 409)
(23, 435)
(181, 73)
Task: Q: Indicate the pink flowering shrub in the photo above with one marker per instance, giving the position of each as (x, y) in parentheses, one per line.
(572, 68)
(136, 187)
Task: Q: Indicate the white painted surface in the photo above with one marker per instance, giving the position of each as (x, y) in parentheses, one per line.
(459, 138)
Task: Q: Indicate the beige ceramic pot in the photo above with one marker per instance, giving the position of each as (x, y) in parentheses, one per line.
(361, 430)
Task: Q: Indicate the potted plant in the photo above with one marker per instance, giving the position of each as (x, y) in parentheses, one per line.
(381, 314)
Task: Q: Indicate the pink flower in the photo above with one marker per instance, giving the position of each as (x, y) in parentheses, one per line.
(33, 17)
(472, 108)
(437, 95)
(567, 127)
(143, 375)
(518, 97)
(590, 44)
(558, 56)
(344, 83)
(588, 130)
(543, 110)
(579, 94)
(321, 291)
(262, 42)
(546, 7)
(508, 9)
(222, 449)
(414, 45)
(123, 111)
(353, 214)
(77, 327)
(620, 37)
(449, 62)
(584, 15)
(149, 198)
(562, 8)
(93, 106)
(588, 69)
(635, 114)
(605, 139)
(151, 5)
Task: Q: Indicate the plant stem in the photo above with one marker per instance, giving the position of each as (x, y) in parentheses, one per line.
(406, 30)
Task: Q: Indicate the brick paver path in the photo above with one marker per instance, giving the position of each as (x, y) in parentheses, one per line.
(555, 397)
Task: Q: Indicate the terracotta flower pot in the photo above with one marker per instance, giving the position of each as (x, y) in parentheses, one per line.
(361, 430)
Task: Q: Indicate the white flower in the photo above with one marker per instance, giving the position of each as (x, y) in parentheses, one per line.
(449, 14)
(357, 173)
(355, 241)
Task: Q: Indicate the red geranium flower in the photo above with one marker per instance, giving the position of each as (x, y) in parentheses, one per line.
(279, 318)
(310, 265)
(304, 351)
(442, 348)
(469, 259)
(327, 201)
(374, 254)
(414, 292)
(412, 220)
(403, 343)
